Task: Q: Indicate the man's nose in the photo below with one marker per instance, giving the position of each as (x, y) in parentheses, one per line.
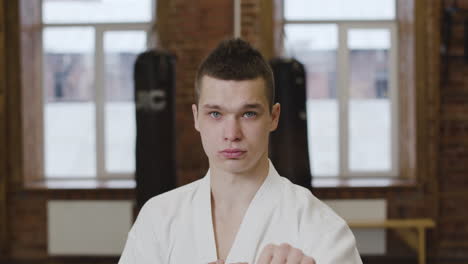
(232, 130)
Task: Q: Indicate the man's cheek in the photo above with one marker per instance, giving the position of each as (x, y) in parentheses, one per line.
(209, 144)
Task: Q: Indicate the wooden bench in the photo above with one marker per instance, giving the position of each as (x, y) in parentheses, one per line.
(412, 231)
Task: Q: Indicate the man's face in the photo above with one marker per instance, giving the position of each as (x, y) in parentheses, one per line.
(234, 122)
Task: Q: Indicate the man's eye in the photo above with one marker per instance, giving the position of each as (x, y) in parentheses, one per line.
(215, 115)
(250, 114)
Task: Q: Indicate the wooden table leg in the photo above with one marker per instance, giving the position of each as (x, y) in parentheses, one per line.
(421, 245)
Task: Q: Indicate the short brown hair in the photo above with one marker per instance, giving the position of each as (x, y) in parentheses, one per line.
(235, 59)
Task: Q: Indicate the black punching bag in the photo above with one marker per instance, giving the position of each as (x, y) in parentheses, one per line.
(288, 144)
(154, 77)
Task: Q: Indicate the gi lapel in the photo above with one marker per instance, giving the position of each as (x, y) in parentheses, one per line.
(257, 220)
(203, 224)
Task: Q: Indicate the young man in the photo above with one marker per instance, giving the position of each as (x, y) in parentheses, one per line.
(242, 211)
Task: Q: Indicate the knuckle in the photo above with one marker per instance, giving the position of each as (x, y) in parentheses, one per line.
(308, 260)
(296, 252)
(270, 247)
(282, 251)
(285, 246)
(295, 255)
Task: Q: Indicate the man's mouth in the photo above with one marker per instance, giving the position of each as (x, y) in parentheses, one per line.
(232, 153)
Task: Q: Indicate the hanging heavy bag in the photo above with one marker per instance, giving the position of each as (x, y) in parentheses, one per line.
(154, 77)
(288, 144)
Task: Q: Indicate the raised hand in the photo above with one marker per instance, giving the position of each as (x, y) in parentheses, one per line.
(283, 254)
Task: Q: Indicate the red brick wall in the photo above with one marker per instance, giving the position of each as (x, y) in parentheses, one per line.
(453, 147)
(3, 150)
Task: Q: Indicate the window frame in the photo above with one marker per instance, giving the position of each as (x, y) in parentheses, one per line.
(343, 26)
(99, 99)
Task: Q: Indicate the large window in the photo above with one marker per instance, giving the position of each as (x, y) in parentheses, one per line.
(89, 49)
(349, 51)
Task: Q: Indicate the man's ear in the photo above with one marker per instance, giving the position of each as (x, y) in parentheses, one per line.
(275, 115)
(195, 116)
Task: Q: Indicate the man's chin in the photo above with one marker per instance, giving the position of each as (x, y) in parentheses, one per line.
(234, 165)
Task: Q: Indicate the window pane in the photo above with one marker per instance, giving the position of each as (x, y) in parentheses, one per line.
(102, 11)
(316, 47)
(339, 9)
(369, 105)
(69, 108)
(121, 49)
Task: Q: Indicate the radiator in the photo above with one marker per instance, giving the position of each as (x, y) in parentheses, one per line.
(88, 228)
(369, 241)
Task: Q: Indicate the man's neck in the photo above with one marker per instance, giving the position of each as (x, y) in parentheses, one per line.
(231, 191)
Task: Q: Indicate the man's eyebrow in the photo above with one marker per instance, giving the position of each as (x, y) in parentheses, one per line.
(253, 106)
(211, 106)
(245, 106)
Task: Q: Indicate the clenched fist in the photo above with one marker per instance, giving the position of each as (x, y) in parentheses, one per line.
(283, 254)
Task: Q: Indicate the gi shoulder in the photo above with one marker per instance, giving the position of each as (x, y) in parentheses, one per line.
(171, 202)
(309, 209)
(153, 231)
(323, 234)
(158, 215)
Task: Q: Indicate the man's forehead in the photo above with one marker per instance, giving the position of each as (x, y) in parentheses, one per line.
(234, 97)
(251, 85)
(217, 91)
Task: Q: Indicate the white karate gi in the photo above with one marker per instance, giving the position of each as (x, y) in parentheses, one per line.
(176, 227)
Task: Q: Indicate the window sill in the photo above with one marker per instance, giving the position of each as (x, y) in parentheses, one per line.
(130, 184)
(85, 184)
(359, 183)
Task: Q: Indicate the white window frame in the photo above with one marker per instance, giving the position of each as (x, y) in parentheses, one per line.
(99, 89)
(343, 73)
